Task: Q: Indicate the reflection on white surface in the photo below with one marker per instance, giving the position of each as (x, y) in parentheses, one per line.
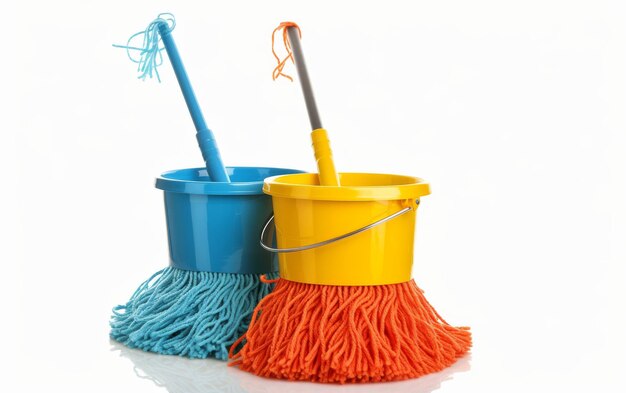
(181, 375)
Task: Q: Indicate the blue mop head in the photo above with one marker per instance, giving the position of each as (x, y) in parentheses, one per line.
(188, 313)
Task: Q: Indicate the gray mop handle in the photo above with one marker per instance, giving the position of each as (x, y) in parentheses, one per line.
(303, 75)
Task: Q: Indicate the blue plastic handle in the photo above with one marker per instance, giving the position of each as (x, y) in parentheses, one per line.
(205, 137)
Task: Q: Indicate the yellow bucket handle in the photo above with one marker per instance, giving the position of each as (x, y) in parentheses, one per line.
(329, 241)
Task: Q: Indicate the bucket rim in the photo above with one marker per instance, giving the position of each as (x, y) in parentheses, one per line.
(176, 181)
(408, 187)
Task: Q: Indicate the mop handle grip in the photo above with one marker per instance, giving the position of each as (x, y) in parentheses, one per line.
(324, 157)
(206, 140)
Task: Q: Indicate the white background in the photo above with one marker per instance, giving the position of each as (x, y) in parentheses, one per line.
(514, 111)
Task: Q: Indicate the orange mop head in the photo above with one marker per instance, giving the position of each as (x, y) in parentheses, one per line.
(327, 333)
(345, 310)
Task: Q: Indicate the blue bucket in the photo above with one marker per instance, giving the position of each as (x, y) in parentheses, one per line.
(215, 226)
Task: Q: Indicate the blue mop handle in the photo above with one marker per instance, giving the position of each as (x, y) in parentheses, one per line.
(206, 140)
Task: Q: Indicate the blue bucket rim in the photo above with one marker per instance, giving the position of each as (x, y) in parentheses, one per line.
(167, 182)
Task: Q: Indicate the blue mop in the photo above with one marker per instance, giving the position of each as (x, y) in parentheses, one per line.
(199, 308)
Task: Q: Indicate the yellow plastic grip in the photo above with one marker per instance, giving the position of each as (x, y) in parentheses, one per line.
(324, 157)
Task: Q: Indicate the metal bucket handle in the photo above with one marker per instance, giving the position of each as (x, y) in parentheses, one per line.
(329, 241)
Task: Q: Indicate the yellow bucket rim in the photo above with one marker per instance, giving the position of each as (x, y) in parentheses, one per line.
(354, 187)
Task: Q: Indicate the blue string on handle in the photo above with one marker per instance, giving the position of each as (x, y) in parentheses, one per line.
(150, 58)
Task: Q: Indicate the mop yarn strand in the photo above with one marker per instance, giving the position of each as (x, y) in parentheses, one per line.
(343, 334)
(278, 71)
(193, 314)
(149, 57)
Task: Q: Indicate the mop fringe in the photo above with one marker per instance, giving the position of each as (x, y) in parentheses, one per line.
(146, 47)
(342, 334)
(186, 313)
(278, 71)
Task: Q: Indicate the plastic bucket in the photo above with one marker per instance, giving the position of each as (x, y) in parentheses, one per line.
(360, 233)
(214, 226)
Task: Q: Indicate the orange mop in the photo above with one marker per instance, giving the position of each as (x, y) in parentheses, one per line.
(345, 308)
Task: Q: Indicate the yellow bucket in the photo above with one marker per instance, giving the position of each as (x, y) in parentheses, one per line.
(359, 233)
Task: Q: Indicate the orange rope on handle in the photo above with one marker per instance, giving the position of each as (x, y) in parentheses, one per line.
(278, 71)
